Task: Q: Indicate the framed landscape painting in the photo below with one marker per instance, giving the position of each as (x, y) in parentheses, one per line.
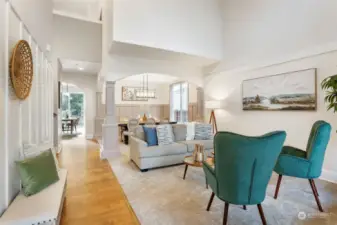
(288, 91)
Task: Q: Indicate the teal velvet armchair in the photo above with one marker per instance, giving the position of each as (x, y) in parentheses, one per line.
(242, 168)
(305, 164)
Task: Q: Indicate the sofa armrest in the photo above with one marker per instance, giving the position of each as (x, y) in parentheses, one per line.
(136, 145)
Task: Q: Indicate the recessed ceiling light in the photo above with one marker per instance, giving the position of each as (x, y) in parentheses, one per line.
(80, 68)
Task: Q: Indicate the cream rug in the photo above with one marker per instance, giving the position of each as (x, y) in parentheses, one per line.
(162, 197)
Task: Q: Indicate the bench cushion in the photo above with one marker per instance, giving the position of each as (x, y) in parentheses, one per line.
(43, 206)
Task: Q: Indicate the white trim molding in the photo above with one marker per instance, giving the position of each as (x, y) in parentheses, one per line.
(60, 13)
(329, 175)
(89, 136)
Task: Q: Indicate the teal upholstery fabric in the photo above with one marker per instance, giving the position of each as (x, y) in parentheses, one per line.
(306, 164)
(243, 166)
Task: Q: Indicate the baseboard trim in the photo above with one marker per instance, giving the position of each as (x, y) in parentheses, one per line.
(89, 136)
(329, 175)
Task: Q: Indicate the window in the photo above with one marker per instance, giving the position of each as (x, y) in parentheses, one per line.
(179, 102)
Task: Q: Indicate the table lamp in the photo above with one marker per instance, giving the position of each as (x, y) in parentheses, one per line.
(213, 104)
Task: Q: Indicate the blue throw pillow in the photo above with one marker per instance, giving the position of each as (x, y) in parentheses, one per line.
(150, 136)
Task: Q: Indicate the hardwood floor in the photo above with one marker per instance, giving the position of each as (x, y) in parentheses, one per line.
(93, 194)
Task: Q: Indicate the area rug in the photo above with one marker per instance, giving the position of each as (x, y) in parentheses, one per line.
(162, 197)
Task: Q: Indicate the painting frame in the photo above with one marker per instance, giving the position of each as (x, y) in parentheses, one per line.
(131, 99)
(312, 106)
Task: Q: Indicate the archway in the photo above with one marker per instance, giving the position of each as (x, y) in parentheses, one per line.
(164, 104)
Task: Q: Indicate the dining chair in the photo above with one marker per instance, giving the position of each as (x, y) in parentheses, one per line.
(242, 168)
(150, 121)
(132, 124)
(76, 122)
(307, 164)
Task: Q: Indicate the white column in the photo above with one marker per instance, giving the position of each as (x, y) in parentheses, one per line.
(100, 115)
(110, 145)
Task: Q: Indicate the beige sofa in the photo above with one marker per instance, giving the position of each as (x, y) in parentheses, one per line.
(147, 157)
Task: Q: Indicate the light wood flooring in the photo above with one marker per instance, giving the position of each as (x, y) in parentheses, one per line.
(93, 195)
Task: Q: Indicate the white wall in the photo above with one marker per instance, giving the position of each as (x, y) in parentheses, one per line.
(2, 111)
(265, 31)
(31, 22)
(297, 124)
(192, 93)
(162, 93)
(122, 67)
(189, 26)
(77, 40)
(270, 37)
(87, 83)
(38, 18)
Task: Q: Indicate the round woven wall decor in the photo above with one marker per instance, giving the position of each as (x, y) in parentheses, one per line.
(21, 69)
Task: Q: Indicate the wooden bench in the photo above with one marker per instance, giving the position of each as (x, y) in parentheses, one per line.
(43, 208)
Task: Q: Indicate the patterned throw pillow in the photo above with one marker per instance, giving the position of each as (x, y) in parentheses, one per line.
(164, 134)
(203, 131)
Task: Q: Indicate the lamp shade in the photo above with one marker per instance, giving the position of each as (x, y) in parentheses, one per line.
(213, 104)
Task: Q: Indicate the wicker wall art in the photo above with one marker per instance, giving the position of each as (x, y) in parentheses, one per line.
(21, 69)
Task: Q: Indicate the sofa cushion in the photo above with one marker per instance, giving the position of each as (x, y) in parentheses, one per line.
(150, 135)
(179, 131)
(208, 144)
(165, 150)
(139, 133)
(164, 134)
(203, 131)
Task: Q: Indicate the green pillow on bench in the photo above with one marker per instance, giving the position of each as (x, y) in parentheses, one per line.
(37, 173)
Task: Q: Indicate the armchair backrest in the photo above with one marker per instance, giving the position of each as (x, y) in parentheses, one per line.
(316, 146)
(244, 165)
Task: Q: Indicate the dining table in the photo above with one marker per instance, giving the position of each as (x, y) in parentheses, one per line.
(71, 121)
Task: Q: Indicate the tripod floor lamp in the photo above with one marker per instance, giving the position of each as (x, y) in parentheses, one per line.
(213, 105)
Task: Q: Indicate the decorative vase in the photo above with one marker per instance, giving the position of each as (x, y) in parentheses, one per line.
(199, 153)
(144, 118)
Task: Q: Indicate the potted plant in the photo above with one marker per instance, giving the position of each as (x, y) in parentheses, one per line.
(330, 85)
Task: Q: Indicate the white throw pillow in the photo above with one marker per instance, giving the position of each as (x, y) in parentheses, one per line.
(190, 131)
(203, 131)
(164, 134)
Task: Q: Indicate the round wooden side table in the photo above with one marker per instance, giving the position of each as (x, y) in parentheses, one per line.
(189, 161)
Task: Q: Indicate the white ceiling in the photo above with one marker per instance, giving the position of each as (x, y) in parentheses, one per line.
(81, 9)
(74, 66)
(152, 77)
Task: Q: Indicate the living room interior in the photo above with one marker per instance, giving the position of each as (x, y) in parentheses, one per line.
(168, 112)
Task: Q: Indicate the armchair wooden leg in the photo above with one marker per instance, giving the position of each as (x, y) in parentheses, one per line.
(244, 207)
(210, 201)
(314, 190)
(314, 185)
(278, 186)
(264, 222)
(225, 214)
